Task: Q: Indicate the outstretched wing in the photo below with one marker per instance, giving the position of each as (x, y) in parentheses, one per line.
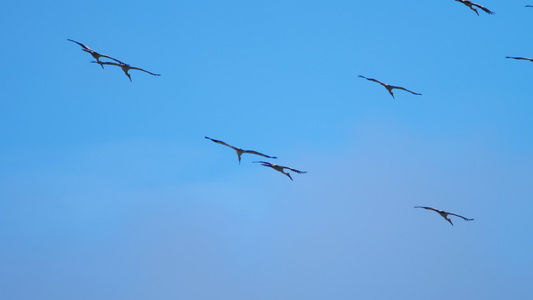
(107, 56)
(262, 162)
(107, 63)
(135, 68)
(266, 164)
(519, 57)
(426, 207)
(92, 51)
(466, 219)
(258, 153)
(483, 8)
(529, 5)
(82, 45)
(295, 171)
(372, 79)
(402, 88)
(220, 142)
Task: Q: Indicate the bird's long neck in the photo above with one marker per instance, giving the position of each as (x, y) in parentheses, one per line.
(239, 153)
(289, 175)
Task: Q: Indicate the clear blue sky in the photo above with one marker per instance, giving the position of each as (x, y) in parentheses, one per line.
(108, 189)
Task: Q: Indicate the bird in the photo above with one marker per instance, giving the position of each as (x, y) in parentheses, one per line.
(125, 67)
(471, 4)
(389, 87)
(239, 150)
(520, 58)
(95, 54)
(529, 5)
(444, 214)
(280, 168)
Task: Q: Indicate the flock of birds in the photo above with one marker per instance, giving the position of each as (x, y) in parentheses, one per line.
(263, 163)
(126, 68)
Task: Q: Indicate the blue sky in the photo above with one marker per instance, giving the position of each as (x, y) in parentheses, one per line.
(108, 189)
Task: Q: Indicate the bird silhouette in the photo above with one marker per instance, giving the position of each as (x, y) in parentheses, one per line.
(125, 67)
(94, 54)
(280, 168)
(471, 5)
(239, 150)
(444, 214)
(389, 87)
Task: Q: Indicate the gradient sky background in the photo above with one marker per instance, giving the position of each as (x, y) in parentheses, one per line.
(108, 189)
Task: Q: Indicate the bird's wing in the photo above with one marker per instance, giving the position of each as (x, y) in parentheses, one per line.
(135, 68)
(295, 171)
(257, 153)
(529, 5)
(466, 219)
(107, 56)
(426, 207)
(106, 63)
(220, 142)
(519, 57)
(91, 50)
(82, 45)
(484, 8)
(265, 163)
(402, 88)
(372, 79)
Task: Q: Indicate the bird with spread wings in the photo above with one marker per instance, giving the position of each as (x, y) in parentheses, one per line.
(389, 87)
(124, 67)
(444, 214)
(94, 54)
(239, 150)
(280, 168)
(472, 4)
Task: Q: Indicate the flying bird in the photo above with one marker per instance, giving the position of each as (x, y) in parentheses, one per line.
(94, 54)
(444, 214)
(239, 150)
(279, 168)
(125, 67)
(529, 5)
(472, 4)
(389, 87)
(521, 58)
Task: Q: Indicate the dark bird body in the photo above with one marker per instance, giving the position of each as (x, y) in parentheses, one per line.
(239, 150)
(94, 54)
(444, 214)
(389, 87)
(471, 5)
(280, 168)
(124, 67)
